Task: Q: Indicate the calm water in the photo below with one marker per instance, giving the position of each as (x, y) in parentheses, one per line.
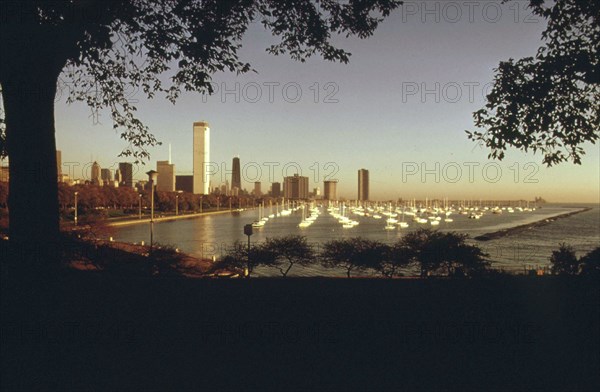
(210, 236)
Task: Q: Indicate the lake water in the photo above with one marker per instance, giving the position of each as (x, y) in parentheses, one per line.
(211, 235)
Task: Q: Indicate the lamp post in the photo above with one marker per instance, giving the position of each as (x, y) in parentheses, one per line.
(200, 203)
(140, 213)
(177, 202)
(248, 232)
(152, 175)
(76, 208)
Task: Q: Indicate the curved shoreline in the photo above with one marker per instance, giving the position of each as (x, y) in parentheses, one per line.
(129, 222)
(517, 229)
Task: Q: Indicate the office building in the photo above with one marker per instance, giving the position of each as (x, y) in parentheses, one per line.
(363, 185)
(201, 157)
(95, 174)
(295, 187)
(257, 189)
(106, 177)
(236, 178)
(4, 174)
(126, 174)
(276, 189)
(330, 190)
(184, 183)
(166, 176)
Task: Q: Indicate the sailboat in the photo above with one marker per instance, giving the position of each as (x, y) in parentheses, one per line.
(260, 222)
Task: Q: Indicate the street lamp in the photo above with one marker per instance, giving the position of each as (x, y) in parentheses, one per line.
(76, 208)
(152, 175)
(140, 214)
(177, 202)
(248, 232)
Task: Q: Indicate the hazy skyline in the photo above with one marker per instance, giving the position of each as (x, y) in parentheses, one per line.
(400, 106)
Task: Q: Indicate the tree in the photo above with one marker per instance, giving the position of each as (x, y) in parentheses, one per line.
(590, 263)
(353, 254)
(549, 102)
(288, 251)
(444, 253)
(398, 256)
(564, 261)
(106, 48)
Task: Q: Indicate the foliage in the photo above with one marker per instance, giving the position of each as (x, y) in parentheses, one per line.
(115, 49)
(444, 253)
(397, 257)
(353, 254)
(549, 102)
(590, 263)
(564, 261)
(287, 251)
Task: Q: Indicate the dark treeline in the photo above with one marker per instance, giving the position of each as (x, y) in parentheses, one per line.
(423, 252)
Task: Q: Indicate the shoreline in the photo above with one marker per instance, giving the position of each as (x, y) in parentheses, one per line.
(517, 229)
(167, 218)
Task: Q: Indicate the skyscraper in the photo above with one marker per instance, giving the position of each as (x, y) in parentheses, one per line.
(295, 187)
(126, 171)
(363, 185)
(201, 157)
(330, 190)
(95, 177)
(276, 189)
(257, 188)
(236, 179)
(166, 176)
(106, 176)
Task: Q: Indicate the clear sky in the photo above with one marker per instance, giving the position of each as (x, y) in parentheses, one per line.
(399, 109)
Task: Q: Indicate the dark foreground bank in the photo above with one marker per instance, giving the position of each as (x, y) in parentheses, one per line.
(85, 331)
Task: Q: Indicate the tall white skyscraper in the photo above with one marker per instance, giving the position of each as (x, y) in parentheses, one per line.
(201, 157)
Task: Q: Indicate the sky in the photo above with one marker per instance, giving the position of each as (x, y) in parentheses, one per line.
(400, 109)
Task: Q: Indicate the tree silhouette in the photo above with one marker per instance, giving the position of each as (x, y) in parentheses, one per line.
(288, 251)
(590, 263)
(398, 256)
(549, 102)
(353, 254)
(564, 261)
(444, 253)
(106, 49)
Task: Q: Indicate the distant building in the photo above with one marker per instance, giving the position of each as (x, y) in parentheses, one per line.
(330, 190)
(184, 183)
(106, 177)
(276, 189)
(166, 176)
(95, 175)
(201, 157)
(257, 189)
(363, 185)
(126, 170)
(295, 187)
(118, 176)
(236, 178)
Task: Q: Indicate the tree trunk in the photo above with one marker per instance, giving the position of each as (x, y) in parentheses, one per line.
(29, 91)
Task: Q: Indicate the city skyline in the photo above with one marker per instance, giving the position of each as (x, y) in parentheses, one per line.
(395, 108)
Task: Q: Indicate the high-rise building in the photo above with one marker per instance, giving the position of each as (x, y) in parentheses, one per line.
(126, 171)
(118, 177)
(276, 189)
(257, 188)
(166, 176)
(363, 185)
(201, 157)
(236, 178)
(106, 176)
(184, 183)
(95, 174)
(295, 187)
(330, 190)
